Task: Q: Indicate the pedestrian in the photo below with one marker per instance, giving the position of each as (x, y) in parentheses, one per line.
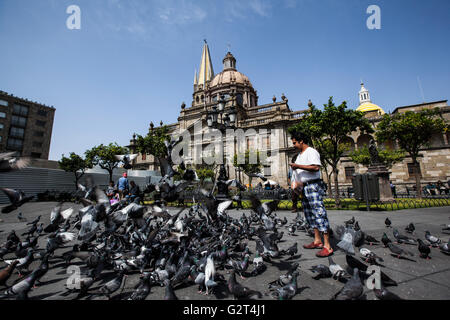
(123, 186)
(294, 195)
(394, 193)
(110, 190)
(134, 193)
(306, 172)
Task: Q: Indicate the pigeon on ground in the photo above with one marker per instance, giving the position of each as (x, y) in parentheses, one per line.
(292, 250)
(6, 273)
(423, 249)
(445, 247)
(402, 238)
(288, 291)
(350, 222)
(384, 294)
(322, 271)
(434, 241)
(284, 279)
(22, 287)
(385, 240)
(398, 251)
(112, 286)
(239, 291)
(355, 263)
(347, 240)
(258, 265)
(370, 240)
(352, 290)
(387, 222)
(446, 228)
(21, 217)
(336, 270)
(35, 221)
(169, 294)
(410, 228)
(370, 256)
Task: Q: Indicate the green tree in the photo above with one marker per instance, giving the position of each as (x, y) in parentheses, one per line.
(103, 156)
(328, 131)
(412, 131)
(247, 167)
(154, 142)
(74, 163)
(387, 156)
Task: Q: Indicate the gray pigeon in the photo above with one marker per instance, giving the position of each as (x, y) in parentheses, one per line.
(352, 290)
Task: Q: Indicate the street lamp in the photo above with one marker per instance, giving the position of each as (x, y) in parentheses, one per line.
(227, 121)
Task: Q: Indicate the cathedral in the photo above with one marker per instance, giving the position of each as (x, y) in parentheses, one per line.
(266, 127)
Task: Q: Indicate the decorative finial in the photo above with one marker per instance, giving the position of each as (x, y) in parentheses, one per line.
(161, 123)
(274, 98)
(205, 40)
(283, 97)
(134, 136)
(183, 105)
(151, 125)
(309, 103)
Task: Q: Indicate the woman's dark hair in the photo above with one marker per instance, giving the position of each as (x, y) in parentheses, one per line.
(300, 136)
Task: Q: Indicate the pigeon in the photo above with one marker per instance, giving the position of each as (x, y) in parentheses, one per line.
(35, 221)
(336, 270)
(410, 228)
(434, 241)
(142, 289)
(292, 250)
(6, 273)
(258, 265)
(347, 240)
(447, 228)
(370, 240)
(9, 162)
(322, 271)
(355, 263)
(398, 251)
(113, 285)
(402, 238)
(350, 222)
(385, 240)
(352, 290)
(17, 198)
(126, 159)
(384, 294)
(370, 256)
(169, 294)
(21, 217)
(288, 291)
(22, 287)
(210, 272)
(444, 247)
(24, 263)
(387, 222)
(284, 279)
(423, 249)
(240, 266)
(239, 291)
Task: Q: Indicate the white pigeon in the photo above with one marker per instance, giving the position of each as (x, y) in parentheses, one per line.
(210, 272)
(222, 207)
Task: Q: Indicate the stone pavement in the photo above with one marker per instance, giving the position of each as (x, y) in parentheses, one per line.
(417, 279)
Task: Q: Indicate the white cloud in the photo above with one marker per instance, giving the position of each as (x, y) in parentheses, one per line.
(260, 7)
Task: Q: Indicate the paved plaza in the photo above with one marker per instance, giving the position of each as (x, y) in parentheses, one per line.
(417, 279)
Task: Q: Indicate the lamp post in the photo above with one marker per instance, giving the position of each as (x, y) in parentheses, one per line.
(222, 120)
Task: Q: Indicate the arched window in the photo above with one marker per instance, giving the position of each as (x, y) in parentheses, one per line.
(363, 141)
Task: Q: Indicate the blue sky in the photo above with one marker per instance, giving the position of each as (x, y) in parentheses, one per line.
(133, 61)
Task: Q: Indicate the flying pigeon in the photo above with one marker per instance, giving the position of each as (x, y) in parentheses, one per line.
(17, 198)
(127, 159)
(9, 161)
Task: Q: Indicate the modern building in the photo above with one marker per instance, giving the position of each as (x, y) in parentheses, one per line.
(279, 116)
(25, 126)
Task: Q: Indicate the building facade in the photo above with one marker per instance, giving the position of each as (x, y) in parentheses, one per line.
(25, 126)
(260, 122)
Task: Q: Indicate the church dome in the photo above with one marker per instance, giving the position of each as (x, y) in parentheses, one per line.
(230, 76)
(369, 106)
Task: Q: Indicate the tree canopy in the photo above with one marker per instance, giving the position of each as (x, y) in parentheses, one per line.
(103, 156)
(76, 164)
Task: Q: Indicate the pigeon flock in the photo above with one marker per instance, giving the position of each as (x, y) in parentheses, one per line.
(200, 246)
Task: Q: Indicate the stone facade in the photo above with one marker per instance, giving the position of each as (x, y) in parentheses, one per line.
(26, 126)
(278, 116)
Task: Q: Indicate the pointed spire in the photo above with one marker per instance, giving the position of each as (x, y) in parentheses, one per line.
(206, 72)
(195, 78)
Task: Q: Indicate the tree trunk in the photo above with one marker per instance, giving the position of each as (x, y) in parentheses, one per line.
(110, 172)
(336, 186)
(417, 176)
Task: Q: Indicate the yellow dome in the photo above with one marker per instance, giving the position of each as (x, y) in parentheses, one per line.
(230, 76)
(368, 106)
